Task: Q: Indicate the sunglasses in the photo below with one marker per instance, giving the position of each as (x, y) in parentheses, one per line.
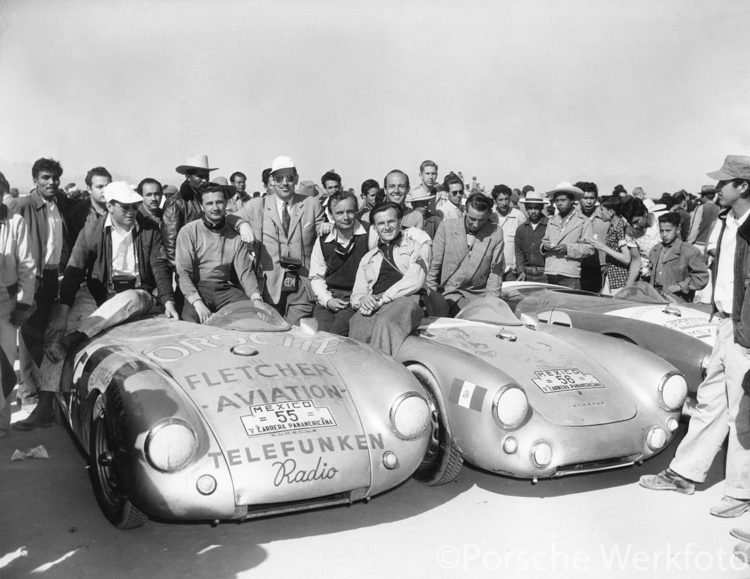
(127, 206)
(281, 179)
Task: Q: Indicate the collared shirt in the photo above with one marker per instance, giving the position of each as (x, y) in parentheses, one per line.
(412, 257)
(509, 224)
(280, 207)
(16, 262)
(724, 288)
(449, 210)
(55, 237)
(318, 265)
(124, 256)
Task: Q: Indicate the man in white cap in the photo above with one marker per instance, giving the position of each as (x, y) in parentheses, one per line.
(121, 259)
(724, 394)
(567, 239)
(529, 236)
(285, 225)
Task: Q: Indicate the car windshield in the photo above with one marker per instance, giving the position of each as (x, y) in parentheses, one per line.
(246, 317)
(641, 292)
(489, 310)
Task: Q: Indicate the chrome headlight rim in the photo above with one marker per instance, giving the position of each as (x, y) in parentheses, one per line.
(662, 383)
(496, 400)
(394, 410)
(156, 429)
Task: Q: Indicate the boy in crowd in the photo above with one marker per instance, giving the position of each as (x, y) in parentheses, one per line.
(676, 266)
(334, 262)
(529, 258)
(214, 266)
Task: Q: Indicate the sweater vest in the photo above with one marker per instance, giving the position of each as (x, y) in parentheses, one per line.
(341, 269)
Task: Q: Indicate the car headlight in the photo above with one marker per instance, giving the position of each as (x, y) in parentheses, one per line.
(673, 390)
(171, 445)
(510, 406)
(409, 415)
(541, 454)
(656, 438)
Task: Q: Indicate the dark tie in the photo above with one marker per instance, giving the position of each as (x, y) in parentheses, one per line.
(285, 219)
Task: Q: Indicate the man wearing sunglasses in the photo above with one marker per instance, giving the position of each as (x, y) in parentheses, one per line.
(285, 225)
(122, 260)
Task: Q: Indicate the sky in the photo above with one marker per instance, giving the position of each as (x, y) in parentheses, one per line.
(643, 93)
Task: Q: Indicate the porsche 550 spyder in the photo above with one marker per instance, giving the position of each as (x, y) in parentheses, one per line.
(241, 417)
(533, 400)
(681, 334)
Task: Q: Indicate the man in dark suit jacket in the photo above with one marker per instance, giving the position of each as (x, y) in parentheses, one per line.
(285, 225)
(467, 259)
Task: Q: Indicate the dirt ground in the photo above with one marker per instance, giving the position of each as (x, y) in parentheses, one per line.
(481, 525)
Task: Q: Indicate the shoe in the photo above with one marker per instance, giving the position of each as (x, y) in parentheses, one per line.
(742, 552)
(730, 507)
(37, 419)
(741, 534)
(667, 480)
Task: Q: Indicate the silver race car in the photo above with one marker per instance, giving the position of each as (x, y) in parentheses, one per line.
(241, 417)
(681, 334)
(533, 400)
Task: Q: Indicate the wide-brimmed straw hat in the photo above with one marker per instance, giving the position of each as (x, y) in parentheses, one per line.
(534, 197)
(195, 163)
(563, 187)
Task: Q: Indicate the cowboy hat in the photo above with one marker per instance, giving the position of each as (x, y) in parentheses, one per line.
(563, 187)
(534, 197)
(224, 184)
(195, 163)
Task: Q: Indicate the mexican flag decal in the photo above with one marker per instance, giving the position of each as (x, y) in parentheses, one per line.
(467, 395)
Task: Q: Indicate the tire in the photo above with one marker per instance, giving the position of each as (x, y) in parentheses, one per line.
(442, 461)
(116, 508)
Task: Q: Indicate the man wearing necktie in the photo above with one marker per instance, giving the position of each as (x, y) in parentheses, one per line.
(285, 225)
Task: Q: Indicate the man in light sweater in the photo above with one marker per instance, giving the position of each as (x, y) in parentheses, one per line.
(214, 266)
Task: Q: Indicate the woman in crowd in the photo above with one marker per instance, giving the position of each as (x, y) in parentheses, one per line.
(623, 255)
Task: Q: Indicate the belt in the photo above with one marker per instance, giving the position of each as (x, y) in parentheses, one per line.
(535, 267)
(55, 267)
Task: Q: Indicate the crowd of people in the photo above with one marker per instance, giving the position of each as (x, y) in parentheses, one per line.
(368, 266)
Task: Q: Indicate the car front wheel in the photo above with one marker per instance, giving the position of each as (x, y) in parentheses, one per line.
(442, 461)
(116, 507)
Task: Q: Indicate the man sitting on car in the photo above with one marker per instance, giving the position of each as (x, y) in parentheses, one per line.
(388, 280)
(467, 259)
(122, 260)
(214, 266)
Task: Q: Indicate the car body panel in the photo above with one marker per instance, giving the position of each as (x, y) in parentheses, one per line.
(682, 335)
(327, 440)
(596, 424)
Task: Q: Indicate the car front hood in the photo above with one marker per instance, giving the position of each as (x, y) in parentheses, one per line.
(566, 386)
(689, 321)
(285, 421)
